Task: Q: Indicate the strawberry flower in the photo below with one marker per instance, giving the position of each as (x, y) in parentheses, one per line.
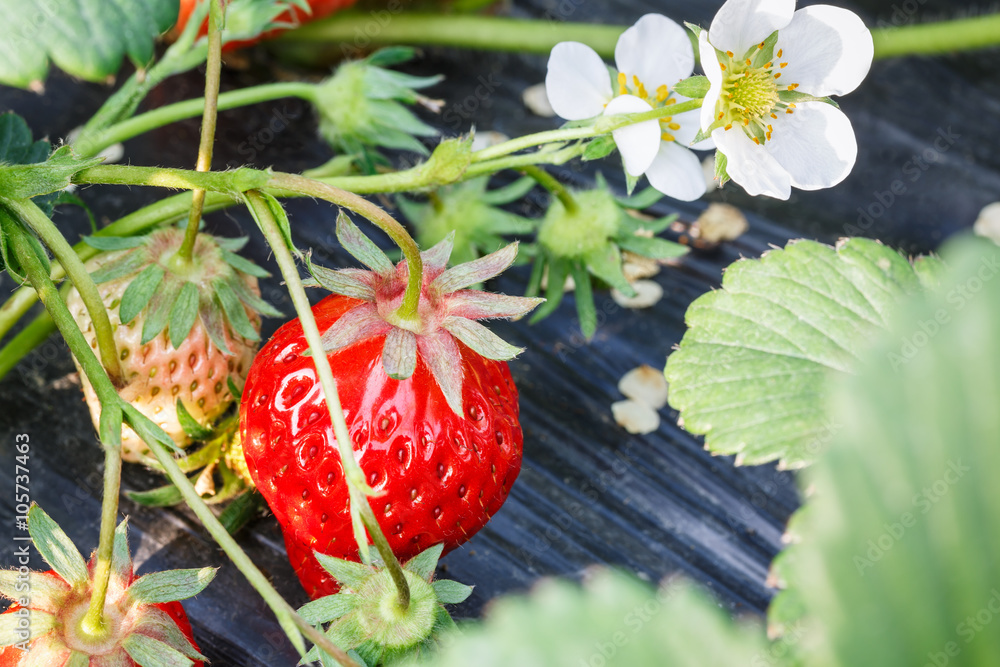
(770, 69)
(651, 56)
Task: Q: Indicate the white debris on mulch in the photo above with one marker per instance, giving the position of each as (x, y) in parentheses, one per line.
(648, 293)
(537, 101)
(718, 223)
(988, 222)
(636, 267)
(646, 389)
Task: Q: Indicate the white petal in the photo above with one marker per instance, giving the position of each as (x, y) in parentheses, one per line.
(815, 145)
(751, 166)
(577, 83)
(657, 50)
(741, 24)
(709, 63)
(676, 172)
(637, 143)
(828, 50)
(690, 122)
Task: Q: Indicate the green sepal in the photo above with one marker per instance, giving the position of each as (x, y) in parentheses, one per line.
(10, 263)
(585, 309)
(42, 586)
(391, 55)
(695, 87)
(424, 563)
(340, 282)
(654, 248)
(56, 548)
(183, 314)
(930, 270)
(77, 659)
(170, 585)
(702, 135)
(212, 320)
(157, 623)
(236, 314)
(121, 557)
(695, 29)
(600, 147)
(149, 652)
(123, 266)
(233, 389)
(328, 608)
(721, 161)
(149, 431)
(243, 264)
(139, 292)
(559, 269)
(249, 298)
(795, 97)
(162, 496)
(451, 592)
(346, 572)
(232, 243)
(160, 306)
(109, 243)
(630, 182)
(281, 218)
(191, 427)
(361, 247)
(606, 263)
(508, 193)
(244, 508)
(39, 623)
(641, 200)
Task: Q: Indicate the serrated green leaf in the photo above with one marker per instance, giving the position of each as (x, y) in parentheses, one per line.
(236, 314)
(424, 563)
(160, 306)
(191, 427)
(149, 652)
(170, 585)
(346, 572)
(327, 608)
(243, 264)
(562, 624)
(751, 373)
(56, 547)
(139, 292)
(451, 592)
(654, 248)
(183, 313)
(695, 87)
(114, 242)
(894, 563)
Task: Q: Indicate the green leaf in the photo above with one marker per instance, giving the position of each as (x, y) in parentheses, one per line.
(114, 242)
(190, 425)
(86, 38)
(695, 87)
(233, 389)
(451, 592)
(896, 563)
(752, 371)
(614, 618)
(170, 585)
(149, 652)
(56, 547)
(655, 247)
(16, 144)
(236, 314)
(183, 314)
(139, 292)
(601, 147)
(252, 300)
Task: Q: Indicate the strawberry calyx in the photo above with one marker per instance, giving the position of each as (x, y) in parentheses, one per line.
(447, 311)
(169, 295)
(50, 610)
(365, 617)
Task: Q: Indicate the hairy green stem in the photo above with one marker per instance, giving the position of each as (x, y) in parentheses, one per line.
(352, 471)
(93, 622)
(310, 188)
(496, 33)
(29, 213)
(216, 15)
(172, 113)
(549, 182)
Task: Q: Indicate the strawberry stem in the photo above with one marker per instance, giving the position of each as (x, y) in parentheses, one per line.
(549, 182)
(93, 623)
(360, 508)
(216, 15)
(28, 212)
(290, 621)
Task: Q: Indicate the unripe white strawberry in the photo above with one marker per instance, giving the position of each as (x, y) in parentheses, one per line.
(161, 365)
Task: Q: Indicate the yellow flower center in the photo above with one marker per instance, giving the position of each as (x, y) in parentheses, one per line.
(750, 96)
(661, 97)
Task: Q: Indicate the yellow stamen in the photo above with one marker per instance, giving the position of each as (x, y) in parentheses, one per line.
(672, 100)
(783, 65)
(666, 136)
(761, 45)
(789, 111)
(674, 126)
(793, 86)
(622, 83)
(749, 62)
(729, 127)
(662, 93)
(746, 122)
(768, 65)
(721, 114)
(778, 75)
(722, 66)
(756, 141)
(774, 116)
(729, 53)
(779, 52)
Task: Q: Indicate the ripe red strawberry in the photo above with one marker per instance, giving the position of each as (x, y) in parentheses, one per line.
(142, 614)
(161, 361)
(441, 445)
(291, 18)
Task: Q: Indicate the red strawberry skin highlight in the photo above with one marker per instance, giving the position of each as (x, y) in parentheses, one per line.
(439, 477)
